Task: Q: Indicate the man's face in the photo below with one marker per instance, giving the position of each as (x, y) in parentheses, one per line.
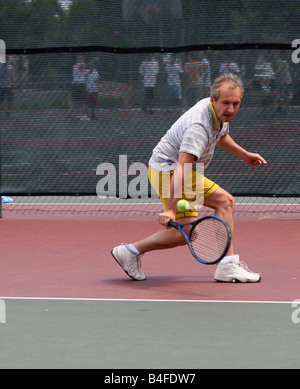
(228, 103)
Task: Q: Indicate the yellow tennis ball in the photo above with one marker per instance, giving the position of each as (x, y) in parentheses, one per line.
(183, 205)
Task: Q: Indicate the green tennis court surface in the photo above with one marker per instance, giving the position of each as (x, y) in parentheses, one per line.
(106, 334)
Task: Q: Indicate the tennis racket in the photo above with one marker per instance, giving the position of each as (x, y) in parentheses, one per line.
(209, 238)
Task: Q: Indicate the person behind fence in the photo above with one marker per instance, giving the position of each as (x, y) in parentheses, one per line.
(7, 84)
(148, 71)
(92, 87)
(283, 85)
(174, 71)
(192, 139)
(205, 74)
(229, 66)
(192, 77)
(264, 74)
(78, 88)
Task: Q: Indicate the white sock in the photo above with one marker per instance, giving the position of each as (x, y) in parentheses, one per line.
(133, 250)
(229, 258)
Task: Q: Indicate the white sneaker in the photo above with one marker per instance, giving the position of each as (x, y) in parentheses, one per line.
(235, 271)
(129, 262)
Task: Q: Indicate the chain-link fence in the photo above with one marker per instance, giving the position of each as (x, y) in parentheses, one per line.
(90, 88)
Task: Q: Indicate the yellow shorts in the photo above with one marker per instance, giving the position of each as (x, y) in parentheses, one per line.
(160, 181)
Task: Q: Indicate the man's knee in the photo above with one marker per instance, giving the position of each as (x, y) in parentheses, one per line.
(228, 201)
(221, 200)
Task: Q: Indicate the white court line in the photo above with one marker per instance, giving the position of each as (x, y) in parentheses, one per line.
(148, 300)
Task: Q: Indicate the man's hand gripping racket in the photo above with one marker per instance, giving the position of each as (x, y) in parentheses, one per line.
(208, 240)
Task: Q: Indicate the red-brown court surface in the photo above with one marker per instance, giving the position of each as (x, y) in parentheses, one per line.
(70, 258)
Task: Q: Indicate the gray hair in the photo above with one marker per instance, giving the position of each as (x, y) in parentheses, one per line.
(233, 81)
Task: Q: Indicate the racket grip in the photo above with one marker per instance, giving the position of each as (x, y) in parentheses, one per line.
(172, 223)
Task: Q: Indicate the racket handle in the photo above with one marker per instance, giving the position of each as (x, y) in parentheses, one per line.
(172, 223)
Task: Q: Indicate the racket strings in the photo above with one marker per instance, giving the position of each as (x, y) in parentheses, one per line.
(209, 239)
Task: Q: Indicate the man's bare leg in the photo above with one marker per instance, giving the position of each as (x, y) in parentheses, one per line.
(223, 203)
(163, 239)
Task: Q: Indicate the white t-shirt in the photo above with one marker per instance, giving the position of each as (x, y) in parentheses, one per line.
(91, 81)
(149, 71)
(78, 75)
(173, 72)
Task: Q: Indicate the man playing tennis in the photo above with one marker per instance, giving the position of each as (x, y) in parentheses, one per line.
(193, 139)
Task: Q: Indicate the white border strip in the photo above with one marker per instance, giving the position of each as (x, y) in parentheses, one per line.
(146, 300)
